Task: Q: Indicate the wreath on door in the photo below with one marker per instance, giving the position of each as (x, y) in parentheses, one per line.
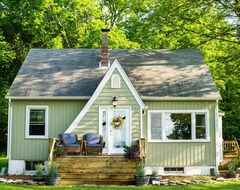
(117, 122)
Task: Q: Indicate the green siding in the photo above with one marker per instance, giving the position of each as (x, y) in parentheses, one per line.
(90, 122)
(61, 115)
(181, 153)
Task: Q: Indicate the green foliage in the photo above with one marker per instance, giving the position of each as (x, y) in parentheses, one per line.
(140, 169)
(53, 170)
(39, 169)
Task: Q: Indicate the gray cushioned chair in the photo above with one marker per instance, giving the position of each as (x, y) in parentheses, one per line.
(70, 142)
(93, 142)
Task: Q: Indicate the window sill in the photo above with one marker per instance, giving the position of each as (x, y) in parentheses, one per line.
(178, 141)
(36, 137)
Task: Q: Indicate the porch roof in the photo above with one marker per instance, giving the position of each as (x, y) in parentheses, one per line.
(76, 73)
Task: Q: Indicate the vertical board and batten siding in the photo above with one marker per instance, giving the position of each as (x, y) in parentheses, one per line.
(179, 154)
(90, 121)
(61, 115)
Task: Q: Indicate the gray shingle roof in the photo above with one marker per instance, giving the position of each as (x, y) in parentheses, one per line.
(75, 72)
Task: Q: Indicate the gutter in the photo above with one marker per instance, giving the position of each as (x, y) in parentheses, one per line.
(180, 98)
(9, 142)
(48, 97)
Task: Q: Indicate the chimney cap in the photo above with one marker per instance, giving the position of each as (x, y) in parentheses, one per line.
(105, 30)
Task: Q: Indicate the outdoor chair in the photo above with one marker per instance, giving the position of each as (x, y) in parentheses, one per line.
(93, 142)
(70, 143)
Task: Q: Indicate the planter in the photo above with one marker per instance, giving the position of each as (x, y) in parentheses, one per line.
(39, 178)
(142, 180)
(155, 178)
(53, 181)
(231, 175)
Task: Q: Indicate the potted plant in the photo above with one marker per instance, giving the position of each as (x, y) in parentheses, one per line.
(141, 178)
(155, 176)
(232, 167)
(131, 151)
(59, 150)
(39, 173)
(53, 178)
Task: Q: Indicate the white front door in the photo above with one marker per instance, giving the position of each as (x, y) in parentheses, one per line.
(115, 136)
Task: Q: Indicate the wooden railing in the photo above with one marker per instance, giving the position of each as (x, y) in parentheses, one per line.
(231, 148)
(51, 146)
(142, 149)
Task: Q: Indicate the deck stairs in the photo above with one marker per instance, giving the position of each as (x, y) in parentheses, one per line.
(230, 151)
(98, 170)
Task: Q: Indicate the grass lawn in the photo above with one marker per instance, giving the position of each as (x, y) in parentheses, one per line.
(219, 186)
(3, 161)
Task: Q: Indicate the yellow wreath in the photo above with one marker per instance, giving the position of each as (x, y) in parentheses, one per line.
(117, 122)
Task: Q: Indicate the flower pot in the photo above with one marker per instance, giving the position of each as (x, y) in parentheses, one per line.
(142, 180)
(39, 178)
(155, 178)
(53, 181)
(231, 175)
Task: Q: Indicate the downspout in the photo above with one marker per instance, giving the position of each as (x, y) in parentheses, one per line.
(9, 144)
(216, 137)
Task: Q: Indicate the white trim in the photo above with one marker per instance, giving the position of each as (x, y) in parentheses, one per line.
(28, 108)
(16, 167)
(107, 76)
(9, 144)
(217, 138)
(48, 97)
(193, 125)
(141, 123)
(180, 98)
(115, 77)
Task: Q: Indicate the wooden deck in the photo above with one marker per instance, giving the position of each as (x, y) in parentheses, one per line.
(99, 170)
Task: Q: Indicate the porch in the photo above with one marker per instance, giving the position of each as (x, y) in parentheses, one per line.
(96, 169)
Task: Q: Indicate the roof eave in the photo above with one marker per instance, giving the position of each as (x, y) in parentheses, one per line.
(179, 98)
(48, 97)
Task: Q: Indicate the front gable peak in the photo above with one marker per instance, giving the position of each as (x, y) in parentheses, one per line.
(114, 79)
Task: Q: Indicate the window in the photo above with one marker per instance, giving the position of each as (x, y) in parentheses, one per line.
(37, 122)
(115, 82)
(173, 170)
(30, 165)
(178, 126)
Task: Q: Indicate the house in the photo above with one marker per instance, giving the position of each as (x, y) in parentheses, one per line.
(167, 97)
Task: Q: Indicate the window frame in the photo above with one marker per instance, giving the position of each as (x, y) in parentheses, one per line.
(193, 125)
(116, 77)
(28, 108)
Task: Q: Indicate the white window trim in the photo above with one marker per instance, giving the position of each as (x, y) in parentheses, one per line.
(28, 108)
(116, 77)
(193, 124)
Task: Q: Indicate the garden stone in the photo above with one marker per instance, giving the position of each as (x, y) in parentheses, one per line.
(18, 181)
(3, 180)
(9, 181)
(181, 183)
(154, 182)
(220, 179)
(186, 181)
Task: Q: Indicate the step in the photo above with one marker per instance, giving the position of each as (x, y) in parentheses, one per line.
(71, 182)
(90, 176)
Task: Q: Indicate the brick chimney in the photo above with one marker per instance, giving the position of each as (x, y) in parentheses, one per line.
(104, 51)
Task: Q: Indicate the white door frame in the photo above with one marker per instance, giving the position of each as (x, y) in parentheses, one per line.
(109, 111)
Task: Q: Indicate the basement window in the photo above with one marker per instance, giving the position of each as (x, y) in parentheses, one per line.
(173, 170)
(30, 165)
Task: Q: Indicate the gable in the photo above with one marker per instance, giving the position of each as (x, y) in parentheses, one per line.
(104, 85)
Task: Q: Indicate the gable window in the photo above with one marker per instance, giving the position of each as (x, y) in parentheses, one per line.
(37, 122)
(178, 126)
(115, 81)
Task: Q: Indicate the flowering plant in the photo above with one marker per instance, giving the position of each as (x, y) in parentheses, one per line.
(117, 122)
(131, 151)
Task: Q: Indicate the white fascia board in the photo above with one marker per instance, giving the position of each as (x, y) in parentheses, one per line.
(48, 97)
(107, 76)
(180, 98)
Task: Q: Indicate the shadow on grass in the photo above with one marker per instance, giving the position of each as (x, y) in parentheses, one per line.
(218, 186)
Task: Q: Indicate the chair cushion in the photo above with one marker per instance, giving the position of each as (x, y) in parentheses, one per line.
(69, 138)
(73, 145)
(92, 138)
(93, 145)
